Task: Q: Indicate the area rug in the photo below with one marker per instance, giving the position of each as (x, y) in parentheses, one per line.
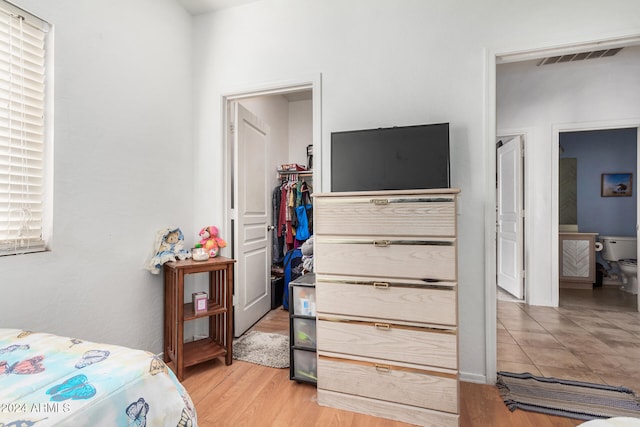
(566, 398)
(263, 348)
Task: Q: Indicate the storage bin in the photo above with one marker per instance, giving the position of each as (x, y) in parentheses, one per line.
(304, 333)
(302, 329)
(304, 300)
(305, 365)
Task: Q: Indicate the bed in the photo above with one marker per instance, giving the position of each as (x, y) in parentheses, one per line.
(50, 380)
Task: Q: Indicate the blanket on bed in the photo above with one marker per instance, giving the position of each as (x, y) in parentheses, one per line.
(51, 380)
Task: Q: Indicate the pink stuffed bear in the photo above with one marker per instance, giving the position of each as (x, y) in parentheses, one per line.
(210, 241)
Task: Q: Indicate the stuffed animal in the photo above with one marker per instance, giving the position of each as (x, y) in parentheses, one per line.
(168, 247)
(210, 240)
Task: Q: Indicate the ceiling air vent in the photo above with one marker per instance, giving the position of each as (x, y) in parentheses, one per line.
(579, 56)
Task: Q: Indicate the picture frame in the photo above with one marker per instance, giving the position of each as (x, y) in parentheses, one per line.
(200, 302)
(616, 185)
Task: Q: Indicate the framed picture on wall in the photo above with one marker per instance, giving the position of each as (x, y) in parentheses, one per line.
(616, 185)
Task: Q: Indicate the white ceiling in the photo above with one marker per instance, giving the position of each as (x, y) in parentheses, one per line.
(197, 7)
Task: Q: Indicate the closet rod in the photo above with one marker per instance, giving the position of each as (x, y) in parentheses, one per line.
(292, 172)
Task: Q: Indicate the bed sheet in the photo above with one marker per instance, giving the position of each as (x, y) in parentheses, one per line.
(49, 380)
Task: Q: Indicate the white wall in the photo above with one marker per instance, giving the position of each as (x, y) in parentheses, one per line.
(537, 99)
(300, 130)
(386, 63)
(122, 170)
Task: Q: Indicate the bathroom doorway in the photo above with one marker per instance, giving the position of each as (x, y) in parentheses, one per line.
(595, 152)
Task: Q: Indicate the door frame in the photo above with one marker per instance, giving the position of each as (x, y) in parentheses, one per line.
(555, 196)
(493, 57)
(313, 83)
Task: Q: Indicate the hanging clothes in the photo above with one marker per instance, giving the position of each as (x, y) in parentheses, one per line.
(282, 218)
(277, 250)
(302, 230)
(304, 213)
(293, 215)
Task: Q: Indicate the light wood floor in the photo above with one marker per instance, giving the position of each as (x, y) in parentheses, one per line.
(245, 394)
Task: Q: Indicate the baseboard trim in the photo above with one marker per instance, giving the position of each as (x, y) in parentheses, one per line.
(472, 378)
(576, 285)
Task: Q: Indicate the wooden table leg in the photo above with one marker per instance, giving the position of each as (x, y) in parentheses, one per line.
(179, 325)
(167, 316)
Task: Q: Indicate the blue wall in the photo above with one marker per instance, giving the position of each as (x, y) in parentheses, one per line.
(598, 152)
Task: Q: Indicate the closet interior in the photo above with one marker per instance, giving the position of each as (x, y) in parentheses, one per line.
(292, 248)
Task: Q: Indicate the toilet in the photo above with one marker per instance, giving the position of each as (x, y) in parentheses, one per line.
(622, 251)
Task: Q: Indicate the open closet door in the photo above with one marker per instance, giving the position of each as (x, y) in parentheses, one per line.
(510, 219)
(252, 298)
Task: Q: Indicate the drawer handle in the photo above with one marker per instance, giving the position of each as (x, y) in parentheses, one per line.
(383, 368)
(380, 285)
(382, 326)
(380, 202)
(381, 243)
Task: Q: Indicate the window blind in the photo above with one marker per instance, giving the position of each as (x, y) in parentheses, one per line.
(22, 104)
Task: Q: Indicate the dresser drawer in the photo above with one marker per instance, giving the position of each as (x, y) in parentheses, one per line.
(424, 346)
(391, 410)
(392, 383)
(409, 301)
(415, 258)
(421, 215)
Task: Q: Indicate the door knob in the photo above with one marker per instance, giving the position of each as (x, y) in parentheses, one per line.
(270, 227)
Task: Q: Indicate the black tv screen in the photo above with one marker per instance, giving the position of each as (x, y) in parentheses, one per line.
(397, 158)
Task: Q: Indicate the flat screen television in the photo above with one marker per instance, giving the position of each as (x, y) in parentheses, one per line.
(396, 158)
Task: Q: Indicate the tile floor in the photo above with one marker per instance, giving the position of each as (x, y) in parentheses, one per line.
(593, 336)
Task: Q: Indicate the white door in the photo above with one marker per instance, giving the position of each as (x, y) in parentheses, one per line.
(510, 219)
(252, 298)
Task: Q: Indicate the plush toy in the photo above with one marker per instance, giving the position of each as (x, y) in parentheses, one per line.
(168, 247)
(210, 240)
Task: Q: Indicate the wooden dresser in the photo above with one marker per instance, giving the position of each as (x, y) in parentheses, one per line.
(386, 271)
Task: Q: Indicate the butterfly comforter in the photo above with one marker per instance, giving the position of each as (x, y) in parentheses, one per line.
(50, 380)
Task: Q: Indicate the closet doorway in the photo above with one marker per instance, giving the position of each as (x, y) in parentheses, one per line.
(264, 129)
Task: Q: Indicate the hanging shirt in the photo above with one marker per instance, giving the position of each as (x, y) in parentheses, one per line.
(282, 217)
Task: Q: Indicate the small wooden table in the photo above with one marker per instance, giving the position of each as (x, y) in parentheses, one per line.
(177, 353)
